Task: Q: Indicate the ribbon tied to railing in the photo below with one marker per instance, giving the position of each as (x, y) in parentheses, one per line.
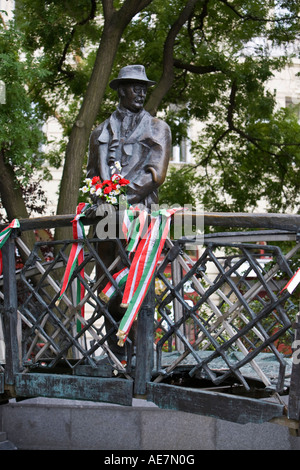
(144, 245)
(4, 235)
(292, 283)
(76, 258)
(145, 235)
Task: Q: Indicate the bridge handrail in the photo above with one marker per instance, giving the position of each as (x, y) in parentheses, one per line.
(287, 222)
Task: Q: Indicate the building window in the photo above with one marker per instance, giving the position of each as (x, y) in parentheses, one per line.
(181, 152)
(294, 104)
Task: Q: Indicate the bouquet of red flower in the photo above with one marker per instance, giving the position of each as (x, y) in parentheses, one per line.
(108, 190)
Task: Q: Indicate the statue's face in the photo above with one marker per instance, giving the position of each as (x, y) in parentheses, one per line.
(132, 96)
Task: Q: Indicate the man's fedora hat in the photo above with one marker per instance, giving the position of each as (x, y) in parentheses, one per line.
(131, 73)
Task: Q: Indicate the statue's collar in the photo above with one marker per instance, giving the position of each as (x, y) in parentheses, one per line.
(122, 112)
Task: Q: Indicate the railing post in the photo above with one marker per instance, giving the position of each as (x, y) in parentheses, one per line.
(144, 343)
(9, 312)
(178, 307)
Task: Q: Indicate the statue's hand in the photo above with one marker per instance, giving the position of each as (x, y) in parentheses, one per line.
(90, 212)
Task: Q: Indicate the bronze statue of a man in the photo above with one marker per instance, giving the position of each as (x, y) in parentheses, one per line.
(141, 144)
(131, 136)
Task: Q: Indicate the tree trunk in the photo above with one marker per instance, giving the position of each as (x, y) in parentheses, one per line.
(12, 198)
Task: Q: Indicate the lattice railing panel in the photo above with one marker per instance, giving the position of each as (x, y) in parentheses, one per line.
(221, 310)
(54, 329)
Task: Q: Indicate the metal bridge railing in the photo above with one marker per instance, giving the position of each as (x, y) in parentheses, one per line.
(231, 311)
(219, 318)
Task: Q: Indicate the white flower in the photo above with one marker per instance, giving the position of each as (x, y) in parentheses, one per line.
(84, 189)
(116, 177)
(88, 181)
(99, 192)
(93, 190)
(116, 167)
(117, 191)
(114, 200)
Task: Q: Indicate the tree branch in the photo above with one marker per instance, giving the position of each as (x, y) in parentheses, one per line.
(167, 77)
(233, 128)
(90, 17)
(257, 18)
(130, 8)
(253, 140)
(198, 69)
(200, 21)
(231, 105)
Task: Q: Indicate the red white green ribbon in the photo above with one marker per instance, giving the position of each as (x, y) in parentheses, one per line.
(136, 230)
(120, 278)
(139, 261)
(76, 258)
(293, 282)
(127, 223)
(142, 269)
(132, 228)
(4, 235)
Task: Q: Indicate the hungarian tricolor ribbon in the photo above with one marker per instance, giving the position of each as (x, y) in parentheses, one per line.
(142, 268)
(136, 229)
(139, 260)
(76, 258)
(120, 278)
(132, 228)
(127, 224)
(293, 282)
(4, 235)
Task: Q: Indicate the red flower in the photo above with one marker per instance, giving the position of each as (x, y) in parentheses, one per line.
(95, 179)
(99, 185)
(108, 189)
(123, 182)
(108, 182)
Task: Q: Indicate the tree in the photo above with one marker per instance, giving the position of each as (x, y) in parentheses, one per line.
(246, 151)
(19, 152)
(198, 51)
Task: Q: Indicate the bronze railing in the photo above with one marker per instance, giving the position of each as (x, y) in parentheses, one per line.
(221, 325)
